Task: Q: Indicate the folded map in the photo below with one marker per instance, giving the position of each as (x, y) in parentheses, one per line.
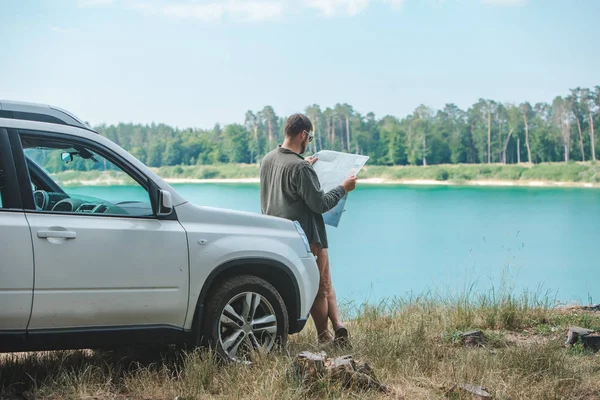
(332, 168)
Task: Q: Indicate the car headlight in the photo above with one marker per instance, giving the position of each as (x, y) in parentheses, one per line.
(303, 236)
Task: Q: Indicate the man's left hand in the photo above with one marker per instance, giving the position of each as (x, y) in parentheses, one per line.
(311, 160)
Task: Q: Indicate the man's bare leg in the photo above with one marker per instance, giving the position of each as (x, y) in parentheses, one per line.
(340, 332)
(320, 309)
(332, 308)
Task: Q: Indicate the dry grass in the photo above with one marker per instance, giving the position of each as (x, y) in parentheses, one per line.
(412, 345)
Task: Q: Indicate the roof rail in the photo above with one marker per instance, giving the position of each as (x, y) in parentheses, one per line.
(40, 113)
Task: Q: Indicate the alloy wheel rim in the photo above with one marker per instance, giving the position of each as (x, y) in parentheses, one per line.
(247, 323)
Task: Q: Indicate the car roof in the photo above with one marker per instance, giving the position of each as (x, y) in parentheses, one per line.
(41, 113)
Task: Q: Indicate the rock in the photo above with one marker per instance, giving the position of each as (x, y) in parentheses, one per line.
(473, 338)
(589, 338)
(476, 392)
(575, 333)
(352, 375)
(591, 341)
(595, 307)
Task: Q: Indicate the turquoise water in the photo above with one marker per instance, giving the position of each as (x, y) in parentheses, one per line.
(397, 240)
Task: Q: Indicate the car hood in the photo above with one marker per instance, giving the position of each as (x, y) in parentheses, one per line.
(188, 212)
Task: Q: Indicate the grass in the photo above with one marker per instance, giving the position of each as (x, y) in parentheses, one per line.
(412, 344)
(553, 172)
(106, 178)
(217, 171)
(556, 172)
(571, 172)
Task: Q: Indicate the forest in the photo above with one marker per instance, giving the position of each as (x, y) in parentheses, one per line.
(487, 132)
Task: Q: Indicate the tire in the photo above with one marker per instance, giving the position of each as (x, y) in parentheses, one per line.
(232, 334)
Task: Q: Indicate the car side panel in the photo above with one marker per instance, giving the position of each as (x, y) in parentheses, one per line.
(213, 244)
(116, 272)
(16, 271)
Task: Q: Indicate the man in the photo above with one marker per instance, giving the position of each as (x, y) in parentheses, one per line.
(290, 188)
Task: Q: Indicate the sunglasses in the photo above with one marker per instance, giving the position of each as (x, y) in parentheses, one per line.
(310, 137)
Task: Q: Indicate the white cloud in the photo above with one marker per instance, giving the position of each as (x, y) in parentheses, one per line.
(93, 3)
(504, 2)
(332, 8)
(257, 10)
(247, 10)
(243, 10)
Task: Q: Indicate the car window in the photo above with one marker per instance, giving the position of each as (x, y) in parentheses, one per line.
(69, 177)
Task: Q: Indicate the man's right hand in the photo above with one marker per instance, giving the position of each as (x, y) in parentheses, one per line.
(349, 184)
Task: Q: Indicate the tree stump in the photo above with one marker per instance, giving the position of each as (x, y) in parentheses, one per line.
(345, 370)
(311, 366)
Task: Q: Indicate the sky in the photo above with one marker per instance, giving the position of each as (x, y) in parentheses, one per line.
(195, 63)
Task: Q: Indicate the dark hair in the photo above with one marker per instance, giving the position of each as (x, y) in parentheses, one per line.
(297, 123)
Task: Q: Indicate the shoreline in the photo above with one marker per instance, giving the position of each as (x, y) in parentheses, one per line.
(117, 181)
(409, 182)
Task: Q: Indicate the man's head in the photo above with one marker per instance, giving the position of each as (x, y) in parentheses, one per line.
(298, 130)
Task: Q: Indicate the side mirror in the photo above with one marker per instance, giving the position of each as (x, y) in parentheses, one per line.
(165, 203)
(66, 157)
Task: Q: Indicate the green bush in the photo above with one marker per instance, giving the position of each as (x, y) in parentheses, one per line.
(510, 172)
(485, 170)
(569, 172)
(441, 175)
(208, 173)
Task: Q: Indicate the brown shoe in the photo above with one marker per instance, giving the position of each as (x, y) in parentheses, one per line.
(324, 338)
(341, 338)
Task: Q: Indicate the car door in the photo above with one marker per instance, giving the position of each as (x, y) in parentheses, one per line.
(102, 258)
(16, 256)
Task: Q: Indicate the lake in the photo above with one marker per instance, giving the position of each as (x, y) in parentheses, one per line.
(396, 240)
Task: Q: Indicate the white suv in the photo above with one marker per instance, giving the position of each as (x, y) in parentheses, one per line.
(138, 265)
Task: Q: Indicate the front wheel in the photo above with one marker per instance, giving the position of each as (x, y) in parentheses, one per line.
(243, 314)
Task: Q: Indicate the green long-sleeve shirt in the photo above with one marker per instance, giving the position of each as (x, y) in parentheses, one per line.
(290, 188)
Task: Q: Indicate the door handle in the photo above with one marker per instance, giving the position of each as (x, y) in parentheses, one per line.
(57, 234)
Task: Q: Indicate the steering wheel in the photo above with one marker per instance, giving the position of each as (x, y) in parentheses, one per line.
(41, 199)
